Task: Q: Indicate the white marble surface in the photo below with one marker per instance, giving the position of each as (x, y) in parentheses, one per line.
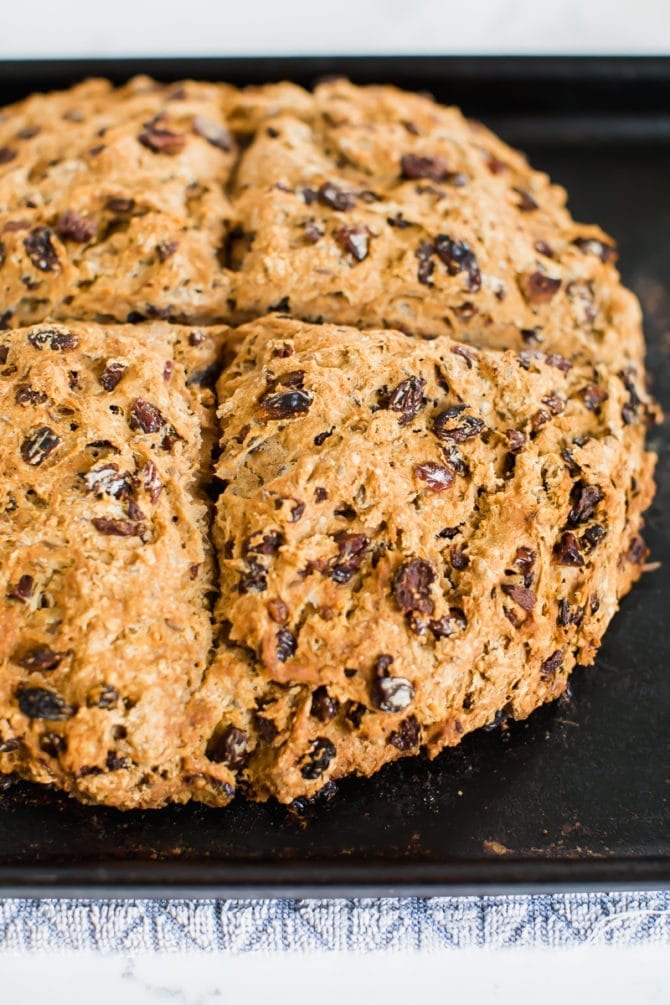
(516, 977)
(217, 27)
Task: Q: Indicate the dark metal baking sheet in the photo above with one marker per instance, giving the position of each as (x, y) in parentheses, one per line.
(576, 797)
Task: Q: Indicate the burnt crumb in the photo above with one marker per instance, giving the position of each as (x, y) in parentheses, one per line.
(591, 246)
(539, 288)
(323, 707)
(268, 543)
(38, 445)
(72, 226)
(584, 499)
(160, 140)
(521, 595)
(26, 395)
(213, 132)
(40, 703)
(53, 744)
(411, 586)
(354, 712)
(637, 551)
(424, 253)
(566, 551)
(285, 405)
(321, 438)
(22, 590)
(314, 763)
(41, 658)
(465, 429)
(52, 338)
(459, 257)
(355, 240)
(406, 398)
(117, 527)
(407, 736)
(254, 579)
(286, 644)
(551, 665)
(40, 250)
(436, 476)
(337, 198)
(351, 553)
(230, 747)
(593, 397)
(516, 440)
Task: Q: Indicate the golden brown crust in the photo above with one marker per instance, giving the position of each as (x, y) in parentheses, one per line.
(455, 536)
(414, 535)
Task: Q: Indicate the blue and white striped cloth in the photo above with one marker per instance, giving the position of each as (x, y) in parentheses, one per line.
(437, 923)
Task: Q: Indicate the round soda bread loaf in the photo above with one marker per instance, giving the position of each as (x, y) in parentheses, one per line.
(415, 388)
(413, 538)
(106, 570)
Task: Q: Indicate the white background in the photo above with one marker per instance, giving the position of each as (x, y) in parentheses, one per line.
(220, 27)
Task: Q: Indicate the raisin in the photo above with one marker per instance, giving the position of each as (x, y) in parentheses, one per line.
(25, 395)
(321, 753)
(572, 466)
(593, 397)
(41, 658)
(424, 253)
(117, 204)
(355, 240)
(436, 476)
(526, 202)
(286, 644)
(267, 729)
(522, 596)
(160, 140)
(392, 694)
(567, 552)
(554, 403)
(214, 133)
(351, 553)
(516, 440)
(468, 427)
(592, 537)
(556, 360)
(464, 351)
(355, 710)
(539, 419)
(108, 697)
(115, 762)
(40, 703)
(166, 249)
(411, 586)
(254, 579)
(407, 736)
(22, 590)
(447, 533)
(539, 288)
(413, 166)
(323, 707)
(38, 445)
(459, 257)
(406, 398)
(106, 480)
(448, 624)
(321, 438)
(71, 226)
(313, 233)
(551, 665)
(591, 246)
(145, 417)
(229, 747)
(269, 544)
(330, 195)
(117, 528)
(52, 338)
(152, 483)
(584, 500)
(297, 511)
(285, 405)
(459, 560)
(637, 551)
(524, 560)
(320, 494)
(399, 221)
(7, 155)
(53, 744)
(40, 250)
